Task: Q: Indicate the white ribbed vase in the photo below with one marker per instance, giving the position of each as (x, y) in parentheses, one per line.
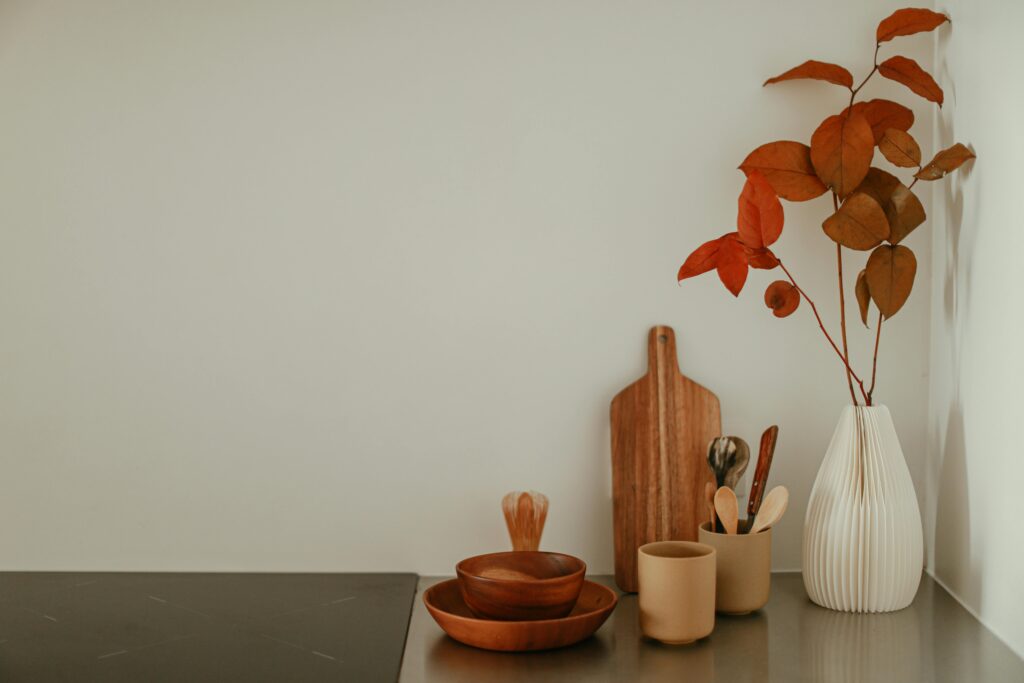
(863, 545)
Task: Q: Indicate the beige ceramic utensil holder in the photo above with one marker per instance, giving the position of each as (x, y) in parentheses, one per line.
(677, 591)
(743, 568)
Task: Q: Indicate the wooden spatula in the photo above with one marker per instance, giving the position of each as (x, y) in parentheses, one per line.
(727, 508)
(709, 498)
(772, 509)
(764, 463)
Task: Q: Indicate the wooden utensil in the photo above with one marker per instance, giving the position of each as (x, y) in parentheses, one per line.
(728, 457)
(772, 509)
(661, 425)
(709, 499)
(739, 465)
(525, 513)
(444, 602)
(728, 508)
(764, 463)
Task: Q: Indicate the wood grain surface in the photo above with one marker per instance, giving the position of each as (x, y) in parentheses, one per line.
(661, 426)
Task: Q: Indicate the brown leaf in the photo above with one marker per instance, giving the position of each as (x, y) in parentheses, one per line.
(760, 217)
(905, 22)
(890, 277)
(732, 263)
(863, 296)
(908, 72)
(787, 167)
(882, 115)
(900, 148)
(821, 71)
(902, 208)
(841, 151)
(946, 161)
(859, 223)
(782, 297)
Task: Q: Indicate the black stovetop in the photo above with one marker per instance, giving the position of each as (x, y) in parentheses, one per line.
(203, 627)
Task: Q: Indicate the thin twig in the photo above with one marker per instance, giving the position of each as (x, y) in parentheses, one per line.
(874, 362)
(854, 91)
(842, 310)
(821, 324)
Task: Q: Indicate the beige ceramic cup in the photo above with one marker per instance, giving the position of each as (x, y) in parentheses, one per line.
(743, 569)
(677, 591)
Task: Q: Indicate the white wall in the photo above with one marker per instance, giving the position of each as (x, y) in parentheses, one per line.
(309, 286)
(975, 468)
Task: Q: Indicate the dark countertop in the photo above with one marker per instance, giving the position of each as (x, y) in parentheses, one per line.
(791, 639)
(202, 627)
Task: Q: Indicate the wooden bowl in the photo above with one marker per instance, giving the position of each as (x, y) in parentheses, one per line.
(444, 602)
(521, 585)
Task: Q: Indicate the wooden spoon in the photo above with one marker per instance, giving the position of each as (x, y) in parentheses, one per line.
(709, 498)
(727, 508)
(772, 508)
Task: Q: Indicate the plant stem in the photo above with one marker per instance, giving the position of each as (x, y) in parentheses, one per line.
(874, 362)
(854, 91)
(842, 309)
(821, 324)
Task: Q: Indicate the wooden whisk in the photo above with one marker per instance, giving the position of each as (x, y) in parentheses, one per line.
(525, 513)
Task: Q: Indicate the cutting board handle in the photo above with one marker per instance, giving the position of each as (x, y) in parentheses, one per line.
(661, 350)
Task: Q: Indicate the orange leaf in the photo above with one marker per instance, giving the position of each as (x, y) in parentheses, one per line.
(821, 71)
(703, 259)
(946, 161)
(763, 259)
(732, 263)
(841, 151)
(902, 208)
(760, 213)
(905, 22)
(859, 223)
(782, 297)
(908, 72)
(786, 165)
(890, 276)
(882, 115)
(900, 148)
(863, 296)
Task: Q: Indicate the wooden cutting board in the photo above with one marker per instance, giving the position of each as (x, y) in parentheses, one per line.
(661, 426)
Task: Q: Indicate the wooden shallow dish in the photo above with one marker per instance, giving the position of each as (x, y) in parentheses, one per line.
(444, 602)
(521, 585)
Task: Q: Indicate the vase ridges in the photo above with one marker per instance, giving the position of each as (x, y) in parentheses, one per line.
(862, 538)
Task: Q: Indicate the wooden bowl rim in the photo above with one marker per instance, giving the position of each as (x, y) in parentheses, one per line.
(518, 624)
(582, 571)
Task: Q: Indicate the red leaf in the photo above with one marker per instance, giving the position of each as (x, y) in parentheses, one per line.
(946, 161)
(726, 254)
(905, 22)
(760, 213)
(762, 259)
(786, 165)
(841, 151)
(703, 259)
(821, 71)
(782, 297)
(882, 115)
(732, 263)
(908, 72)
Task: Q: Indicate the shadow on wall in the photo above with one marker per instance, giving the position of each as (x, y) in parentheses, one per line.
(954, 563)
